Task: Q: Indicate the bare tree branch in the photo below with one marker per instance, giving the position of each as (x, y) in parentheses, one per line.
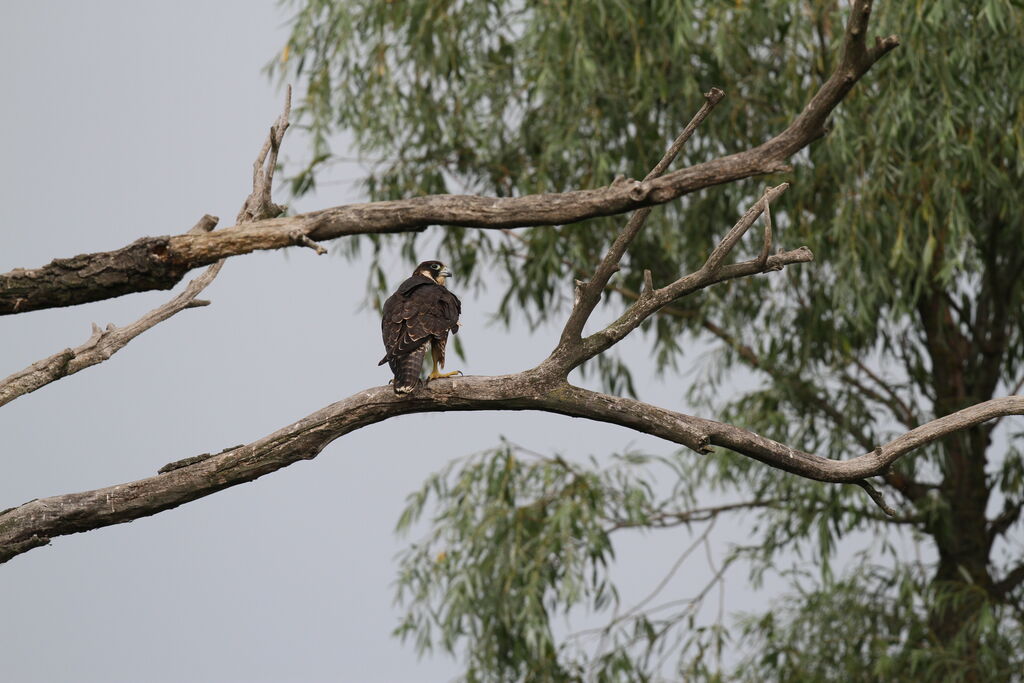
(590, 292)
(106, 342)
(35, 522)
(160, 262)
(570, 352)
(259, 205)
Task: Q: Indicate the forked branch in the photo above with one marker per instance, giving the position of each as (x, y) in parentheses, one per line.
(259, 205)
(589, 293)
(106, 342)
(572, 352)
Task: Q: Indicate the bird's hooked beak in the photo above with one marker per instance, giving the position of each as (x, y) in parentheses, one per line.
(445, 272)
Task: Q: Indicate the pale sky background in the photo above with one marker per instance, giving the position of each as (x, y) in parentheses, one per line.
(126, 119)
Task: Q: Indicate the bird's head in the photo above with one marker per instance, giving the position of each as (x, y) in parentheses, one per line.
(435, 270)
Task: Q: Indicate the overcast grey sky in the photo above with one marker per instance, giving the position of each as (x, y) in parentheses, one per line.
(125, 119)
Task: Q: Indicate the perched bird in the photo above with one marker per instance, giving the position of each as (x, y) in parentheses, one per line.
(422, 312)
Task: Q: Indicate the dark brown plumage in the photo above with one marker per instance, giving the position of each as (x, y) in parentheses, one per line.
(420, 313)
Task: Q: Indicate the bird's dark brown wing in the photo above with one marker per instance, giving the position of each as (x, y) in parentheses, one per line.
(447, 315)
(420, 311)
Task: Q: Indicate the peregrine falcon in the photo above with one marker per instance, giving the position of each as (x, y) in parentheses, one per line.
(421, 312)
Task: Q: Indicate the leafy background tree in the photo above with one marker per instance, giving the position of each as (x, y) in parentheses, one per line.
(912, 310)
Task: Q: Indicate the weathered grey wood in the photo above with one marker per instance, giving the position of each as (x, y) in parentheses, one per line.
(34, 523)
(106, 342)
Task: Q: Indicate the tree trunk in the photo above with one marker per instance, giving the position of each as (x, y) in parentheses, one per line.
(962, 580)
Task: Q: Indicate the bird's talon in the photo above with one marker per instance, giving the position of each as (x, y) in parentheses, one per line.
(442, 375)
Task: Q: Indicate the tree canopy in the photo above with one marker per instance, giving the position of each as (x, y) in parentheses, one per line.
(911, 311)
(876, 354)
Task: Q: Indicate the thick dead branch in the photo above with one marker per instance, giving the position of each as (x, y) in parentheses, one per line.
(160, 262)
(21, 528)
(106, 342)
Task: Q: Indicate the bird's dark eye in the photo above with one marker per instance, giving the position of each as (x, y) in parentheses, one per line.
(435, 267)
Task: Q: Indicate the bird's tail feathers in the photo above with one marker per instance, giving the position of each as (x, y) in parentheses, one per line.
(407, 370)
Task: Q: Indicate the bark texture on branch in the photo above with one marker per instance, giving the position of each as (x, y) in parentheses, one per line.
(106, 342)
(160, 262)
(143, 265)
(36, 522)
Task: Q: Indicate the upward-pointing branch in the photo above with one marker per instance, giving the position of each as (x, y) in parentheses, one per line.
(107, 341)
(589, 293)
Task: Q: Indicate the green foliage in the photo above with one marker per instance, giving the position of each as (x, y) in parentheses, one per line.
(518, 539)
(872, 626)
(529, 538)
(510, 534)
(912, 308)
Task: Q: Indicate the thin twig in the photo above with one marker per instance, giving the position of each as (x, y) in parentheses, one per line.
(668, 520)
(908, 418)
(876, 496)
(635, 609)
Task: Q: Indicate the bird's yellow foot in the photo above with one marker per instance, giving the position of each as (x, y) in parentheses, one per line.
(434, 374)
(441, 375)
